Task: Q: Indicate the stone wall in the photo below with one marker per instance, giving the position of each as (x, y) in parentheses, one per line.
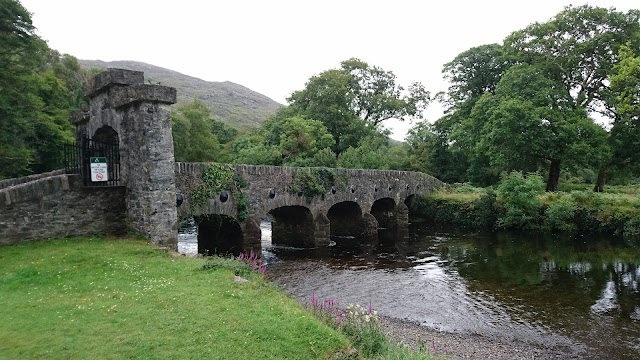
(25, 179)
(58, 206)
(363, 187)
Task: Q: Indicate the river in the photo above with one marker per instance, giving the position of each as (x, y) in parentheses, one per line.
(577, 295)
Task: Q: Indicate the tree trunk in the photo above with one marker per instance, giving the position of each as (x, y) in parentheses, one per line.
(554, 176)
(602, 178)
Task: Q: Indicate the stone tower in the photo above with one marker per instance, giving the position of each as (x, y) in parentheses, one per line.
(124, 110)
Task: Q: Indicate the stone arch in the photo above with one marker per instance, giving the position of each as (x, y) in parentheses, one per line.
(346, 219)
(106, 134)
(384, 210)
(292, 226)
(219, 234)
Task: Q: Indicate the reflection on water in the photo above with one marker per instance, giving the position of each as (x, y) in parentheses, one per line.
(575, 295)
(580, 296)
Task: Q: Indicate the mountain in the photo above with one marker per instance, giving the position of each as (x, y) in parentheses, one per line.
(231, 103)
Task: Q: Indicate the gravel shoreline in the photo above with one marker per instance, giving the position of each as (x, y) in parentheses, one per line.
(459, 346)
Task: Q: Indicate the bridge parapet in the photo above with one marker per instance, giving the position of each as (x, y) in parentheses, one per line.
(270, 187)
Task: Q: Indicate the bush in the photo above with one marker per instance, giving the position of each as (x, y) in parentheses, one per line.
(559, 215)
(632, 227)
(520, 196)
(486, 211)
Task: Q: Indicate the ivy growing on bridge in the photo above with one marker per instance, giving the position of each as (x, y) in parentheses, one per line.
(215, 179)
(312, 183)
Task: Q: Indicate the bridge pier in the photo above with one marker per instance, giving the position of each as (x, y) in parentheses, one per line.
(402, 215)
(322, 229)
(369, 224)
(251, 236)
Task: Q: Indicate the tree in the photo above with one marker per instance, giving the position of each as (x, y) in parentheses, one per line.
(374, 153)
(579, 48)
(353, 101)
(625, 91)
(20, 53)
(531, 121)
(554, 77)
(299, 139)
(473, 73)
(192, 136)
(38, 90)
(375, 96)
(430, 151)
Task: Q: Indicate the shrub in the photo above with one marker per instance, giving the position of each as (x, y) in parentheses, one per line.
(243, 265)
(361, 325)
(559, 215)
(520, 196)
(486, 211)
(632, 227)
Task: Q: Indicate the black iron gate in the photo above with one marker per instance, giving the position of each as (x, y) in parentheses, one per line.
(98, 162)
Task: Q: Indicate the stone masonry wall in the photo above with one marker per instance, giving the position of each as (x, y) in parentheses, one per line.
(139, 113)
(58, 206)
(358, 185)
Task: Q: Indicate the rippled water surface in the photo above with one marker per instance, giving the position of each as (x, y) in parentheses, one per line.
(576, 295)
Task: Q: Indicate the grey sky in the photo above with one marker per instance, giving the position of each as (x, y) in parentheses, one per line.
(273, 47)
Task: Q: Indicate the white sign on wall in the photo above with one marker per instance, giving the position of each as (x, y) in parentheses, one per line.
(99, 171)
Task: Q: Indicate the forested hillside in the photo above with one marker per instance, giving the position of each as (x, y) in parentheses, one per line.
(38, 90)
(230, 103)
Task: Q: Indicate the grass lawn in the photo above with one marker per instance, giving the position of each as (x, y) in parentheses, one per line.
(114, 298)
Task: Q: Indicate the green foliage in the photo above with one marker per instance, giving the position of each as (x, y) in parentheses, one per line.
(243, 206)
(374, 152)
(252, 149)
(526, 104)
(486, 212)
(614, 213)
(40, 88)
(625, 92)
(193, 139)
(520, 196)
(229, 263)
(559, 215)
(474, 72)
(312, 183)
(356, 99)
(215, 179)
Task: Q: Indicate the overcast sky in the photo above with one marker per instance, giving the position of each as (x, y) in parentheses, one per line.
(274, 46)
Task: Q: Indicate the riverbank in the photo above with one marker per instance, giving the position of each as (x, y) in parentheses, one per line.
(520, 203)
(468, 346)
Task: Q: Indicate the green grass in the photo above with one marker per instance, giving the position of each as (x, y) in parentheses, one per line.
(113, 299)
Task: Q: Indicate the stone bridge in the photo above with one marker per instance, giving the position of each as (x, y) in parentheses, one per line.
(135, 117)
(354, 202)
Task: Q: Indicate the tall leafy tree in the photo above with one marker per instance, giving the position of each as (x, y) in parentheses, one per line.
(530, 122)
(38, 90)
(20, 53)
(376, 97)
(473, 73)
(579, 48)
(355, 100)
(192, 136)
(625, 97)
